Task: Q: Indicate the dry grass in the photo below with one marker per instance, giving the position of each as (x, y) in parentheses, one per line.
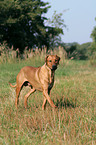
(9, 55)
(74, 92)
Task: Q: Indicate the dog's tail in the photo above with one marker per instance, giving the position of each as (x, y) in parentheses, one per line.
(13, 86)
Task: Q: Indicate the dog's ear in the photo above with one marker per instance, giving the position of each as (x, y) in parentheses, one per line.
(58, 57)
(46, 59)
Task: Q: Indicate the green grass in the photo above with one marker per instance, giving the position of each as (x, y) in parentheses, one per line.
(73, 123)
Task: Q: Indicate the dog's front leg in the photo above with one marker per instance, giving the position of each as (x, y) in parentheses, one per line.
(45, 101)
(45, 93)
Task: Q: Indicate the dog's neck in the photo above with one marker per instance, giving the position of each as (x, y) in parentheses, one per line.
(51, 73)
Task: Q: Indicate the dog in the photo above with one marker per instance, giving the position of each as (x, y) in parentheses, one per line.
(38, 78)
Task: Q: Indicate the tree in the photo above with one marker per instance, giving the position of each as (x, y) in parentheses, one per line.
(77, 51)
(56, 29)
(93, 36)
(22, 23)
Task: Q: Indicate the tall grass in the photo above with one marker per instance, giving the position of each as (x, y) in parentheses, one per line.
(10, 55)
(74, 92)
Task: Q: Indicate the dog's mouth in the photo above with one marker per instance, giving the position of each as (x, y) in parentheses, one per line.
(54, 67)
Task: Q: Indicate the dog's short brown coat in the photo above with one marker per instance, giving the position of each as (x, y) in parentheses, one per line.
(39, 78)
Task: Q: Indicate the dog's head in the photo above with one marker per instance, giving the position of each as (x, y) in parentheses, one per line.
(52, 61)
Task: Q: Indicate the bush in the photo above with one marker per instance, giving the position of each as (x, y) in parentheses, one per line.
(76, 51)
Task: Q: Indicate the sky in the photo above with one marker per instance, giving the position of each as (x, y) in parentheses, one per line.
(79, 18)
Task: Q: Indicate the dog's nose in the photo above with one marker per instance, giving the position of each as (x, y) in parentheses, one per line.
(54, 67)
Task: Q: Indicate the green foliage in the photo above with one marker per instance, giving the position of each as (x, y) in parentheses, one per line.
(92, 48)
(77, 51)
(93, 34)
(57, 23)
(22, 23)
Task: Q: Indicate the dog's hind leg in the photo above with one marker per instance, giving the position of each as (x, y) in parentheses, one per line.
(27, 95)
(18, 89)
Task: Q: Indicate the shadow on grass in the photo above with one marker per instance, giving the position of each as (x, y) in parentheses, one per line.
(65, 103)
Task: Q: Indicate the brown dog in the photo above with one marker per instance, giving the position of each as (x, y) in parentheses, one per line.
(40, 78)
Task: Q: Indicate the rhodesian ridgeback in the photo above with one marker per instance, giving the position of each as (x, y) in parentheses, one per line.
(38, 78)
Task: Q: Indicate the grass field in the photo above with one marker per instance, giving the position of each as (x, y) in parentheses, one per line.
(73, 123)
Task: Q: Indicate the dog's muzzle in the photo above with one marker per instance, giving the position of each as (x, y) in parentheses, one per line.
(54, 67)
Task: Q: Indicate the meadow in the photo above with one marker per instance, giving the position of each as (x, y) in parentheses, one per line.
(74, 92)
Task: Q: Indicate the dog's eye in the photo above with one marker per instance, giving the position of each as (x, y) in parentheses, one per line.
(56, 60)
(50, 60)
